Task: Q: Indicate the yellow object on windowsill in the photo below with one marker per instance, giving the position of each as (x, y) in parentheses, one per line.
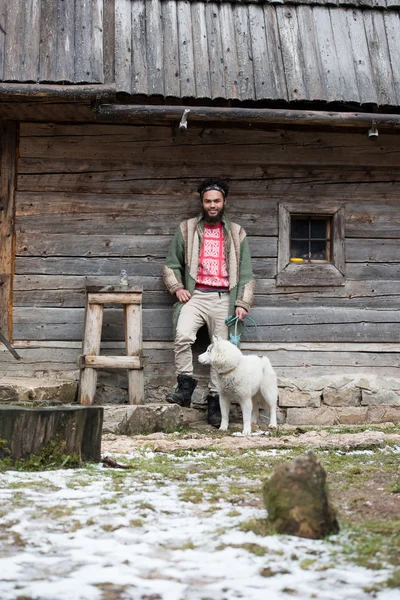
(297, 260)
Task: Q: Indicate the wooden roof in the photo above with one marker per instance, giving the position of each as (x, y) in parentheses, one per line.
(343, 51)
(259, 50)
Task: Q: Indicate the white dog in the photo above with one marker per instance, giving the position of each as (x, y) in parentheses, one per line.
(246, 379)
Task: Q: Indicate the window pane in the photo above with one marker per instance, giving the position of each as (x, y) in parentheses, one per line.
(300, 227)
(299, 249)
(318, 228)
(318, 251)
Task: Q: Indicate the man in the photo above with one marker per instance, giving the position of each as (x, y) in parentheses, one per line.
(208, 269)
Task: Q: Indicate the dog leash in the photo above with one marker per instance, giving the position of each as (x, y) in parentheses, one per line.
(233, 321)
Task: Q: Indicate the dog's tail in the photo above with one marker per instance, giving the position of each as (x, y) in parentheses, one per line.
(269, 384)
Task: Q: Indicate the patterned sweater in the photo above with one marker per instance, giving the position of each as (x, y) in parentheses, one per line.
(182, 262)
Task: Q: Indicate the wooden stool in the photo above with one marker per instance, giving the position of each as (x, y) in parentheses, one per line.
(90, 361)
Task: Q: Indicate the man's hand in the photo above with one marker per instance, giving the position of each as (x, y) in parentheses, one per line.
(183, 295)
(240, 313)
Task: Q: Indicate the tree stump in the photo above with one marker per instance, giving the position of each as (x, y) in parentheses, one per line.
(25, 431)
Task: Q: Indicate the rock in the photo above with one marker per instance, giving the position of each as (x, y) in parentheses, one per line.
(296, 499)
(356, 415)
(383, 414)
(147, 418)
(35, 389)
(296, 398)
(342, 397)
(380, 397)
(315, 416)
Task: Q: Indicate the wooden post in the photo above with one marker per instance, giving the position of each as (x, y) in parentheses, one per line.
(134, 344)
(91, 346)
(8, 142)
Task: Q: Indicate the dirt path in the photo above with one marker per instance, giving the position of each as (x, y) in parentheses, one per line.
(163, 442)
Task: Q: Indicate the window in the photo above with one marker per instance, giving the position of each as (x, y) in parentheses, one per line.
(311, 245)
(310, 238)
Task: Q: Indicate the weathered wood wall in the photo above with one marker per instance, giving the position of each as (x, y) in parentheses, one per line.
(92, 199)
(55, 41)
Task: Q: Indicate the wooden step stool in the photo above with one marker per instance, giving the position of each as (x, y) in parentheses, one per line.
(90, 361)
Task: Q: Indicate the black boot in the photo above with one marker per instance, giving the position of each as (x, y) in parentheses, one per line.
(213, 410)
(184, 390)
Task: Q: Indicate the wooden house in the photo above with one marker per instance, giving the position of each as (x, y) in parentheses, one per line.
(296, 103)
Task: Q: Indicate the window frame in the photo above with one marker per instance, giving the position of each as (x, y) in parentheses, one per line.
(311, 273)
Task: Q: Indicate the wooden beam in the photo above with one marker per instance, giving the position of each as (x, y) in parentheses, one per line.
(28, 91)
(110, 362)
(8, 158)
(149, 113)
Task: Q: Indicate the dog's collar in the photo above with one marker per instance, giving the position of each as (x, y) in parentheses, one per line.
(227, 372)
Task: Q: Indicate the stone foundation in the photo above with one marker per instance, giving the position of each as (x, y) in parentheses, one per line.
(328, 400)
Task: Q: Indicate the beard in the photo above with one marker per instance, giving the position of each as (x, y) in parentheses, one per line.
(213, 219)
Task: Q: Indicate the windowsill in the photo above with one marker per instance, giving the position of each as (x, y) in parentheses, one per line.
(310, 274)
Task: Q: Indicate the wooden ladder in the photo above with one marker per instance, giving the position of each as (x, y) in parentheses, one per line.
(90, 361)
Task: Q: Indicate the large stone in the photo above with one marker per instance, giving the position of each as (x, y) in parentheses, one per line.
(311, 416)
(147, 418)
(35, 389)
(356, 415)
(296, 398)
(383, 414)
(297, 501)
(380, 397)
(342, 397)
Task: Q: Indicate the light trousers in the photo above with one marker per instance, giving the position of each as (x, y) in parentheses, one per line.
(209, 308)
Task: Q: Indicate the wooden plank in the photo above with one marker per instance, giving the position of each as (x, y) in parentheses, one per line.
(124, 52)
(134, 348)
(371, 250)
(229, 55)
(215, 50)
(48, 41)
(200, 50)
(96, 50)
(30, 41)
(392, 26)
(8, 157)
(366, 84)
(244, 51)
(185, 45)
(66, 41)
(312, 274)
(115, 298)
(170, 49)
(264, 83)
(373, 271)
(314, 75)
(3, 25)
(91, 346)
(292, 53)
(13, 53)
(109, 9)
(344, 54)
(83, 41)
(329, 55)
(274, 324)
(277, 79)
(380, 57)
(139, 75)
(372, 220)
(78, 245)
(155, 63)
(111, 362)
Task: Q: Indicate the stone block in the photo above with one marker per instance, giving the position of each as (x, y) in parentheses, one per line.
(35, 389)
(356, 415)
(147, 418)
(296, 398)
(311, 416)
(380, 397)
(383, 414)
(263, 417)
(341, 397)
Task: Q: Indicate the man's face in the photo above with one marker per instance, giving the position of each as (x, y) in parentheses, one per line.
(213, 204)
